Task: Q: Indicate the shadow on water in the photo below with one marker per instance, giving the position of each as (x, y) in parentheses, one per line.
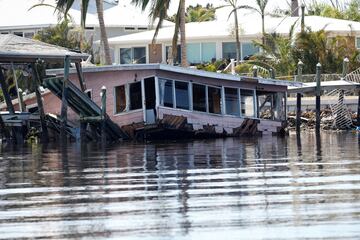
(303, 185)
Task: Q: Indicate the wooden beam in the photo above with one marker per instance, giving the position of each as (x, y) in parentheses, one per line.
(298, 111)
(80, 76)
(103, 114)
(4, 130)
(37, 79)
(358, 110)
(16, 131)
(64, 100)
(6, 94)
(317, 100)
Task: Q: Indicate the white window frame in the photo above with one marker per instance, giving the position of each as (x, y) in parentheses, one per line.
(118, 55)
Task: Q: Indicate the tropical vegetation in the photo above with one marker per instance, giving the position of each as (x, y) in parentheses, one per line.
(63, 35)
(197, 13)
(64, 6)
(159, 12)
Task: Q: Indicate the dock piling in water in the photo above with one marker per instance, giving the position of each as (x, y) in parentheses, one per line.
(64, 103)
(298, 98)
(103, 114)
(318, 91)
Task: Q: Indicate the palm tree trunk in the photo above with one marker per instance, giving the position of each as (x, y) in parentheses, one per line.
(184, 62)
(103, 35)
(263, 28)
(237, 38)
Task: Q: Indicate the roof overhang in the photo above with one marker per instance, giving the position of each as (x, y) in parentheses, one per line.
(187, 71)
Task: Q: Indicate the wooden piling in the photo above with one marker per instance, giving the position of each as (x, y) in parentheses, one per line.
(103, 114)
(37, 79)
(64, 100)
(298, 111)
(16, 131)
(21, 100)
(318, 91)
(298, 98)
(272, 73)
(5, 90)
(255, 71)
(345, 67)
(358, 111)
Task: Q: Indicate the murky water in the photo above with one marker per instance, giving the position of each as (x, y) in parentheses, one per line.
(265, 188)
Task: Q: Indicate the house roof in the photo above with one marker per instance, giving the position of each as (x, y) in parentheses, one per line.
(15, 14)
(250, 27)
(176, 69)
(18, 49)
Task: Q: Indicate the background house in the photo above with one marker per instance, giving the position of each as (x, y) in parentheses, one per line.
(121, 18)
(207, 41)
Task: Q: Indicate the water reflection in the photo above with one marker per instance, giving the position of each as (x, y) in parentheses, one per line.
(301, 186)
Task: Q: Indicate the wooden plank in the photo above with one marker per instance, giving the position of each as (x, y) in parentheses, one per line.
(298, 111)
(64, 100)
(5, 90)
(36, 78)
(80, 76)
(358, 111)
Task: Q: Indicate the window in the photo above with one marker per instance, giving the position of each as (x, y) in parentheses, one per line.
(247, 103)
(135, 96)
(29, 34)
(200, 52)
(129, 29)
(132, 55)
(208, 52)
(120, 99)
(20, 34)
(168, 54)
(139, 54)
(142, 28)
(4, 33)
(214, 99)
(166, 93)
(193, 53)
(232, 101)
(199, 97)
(248, 49)
(358, 42)
(229, 50)
(182, 95)
(125, 56)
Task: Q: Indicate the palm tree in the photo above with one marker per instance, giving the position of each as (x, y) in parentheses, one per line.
(65, 5)
(235, 7)
(158, 11)
(261, 5)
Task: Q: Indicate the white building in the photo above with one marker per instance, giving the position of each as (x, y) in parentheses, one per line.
(215, 40)
(121, 17)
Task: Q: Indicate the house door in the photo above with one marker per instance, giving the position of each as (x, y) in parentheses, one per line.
(150, 98)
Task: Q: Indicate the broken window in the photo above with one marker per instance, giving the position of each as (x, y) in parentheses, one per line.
(232, 101)
(247, 103)
(214, 100)
(120, 99)
(182, 95)
(266, 104)
(166, 92)
(135, 96)
(199, 97)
